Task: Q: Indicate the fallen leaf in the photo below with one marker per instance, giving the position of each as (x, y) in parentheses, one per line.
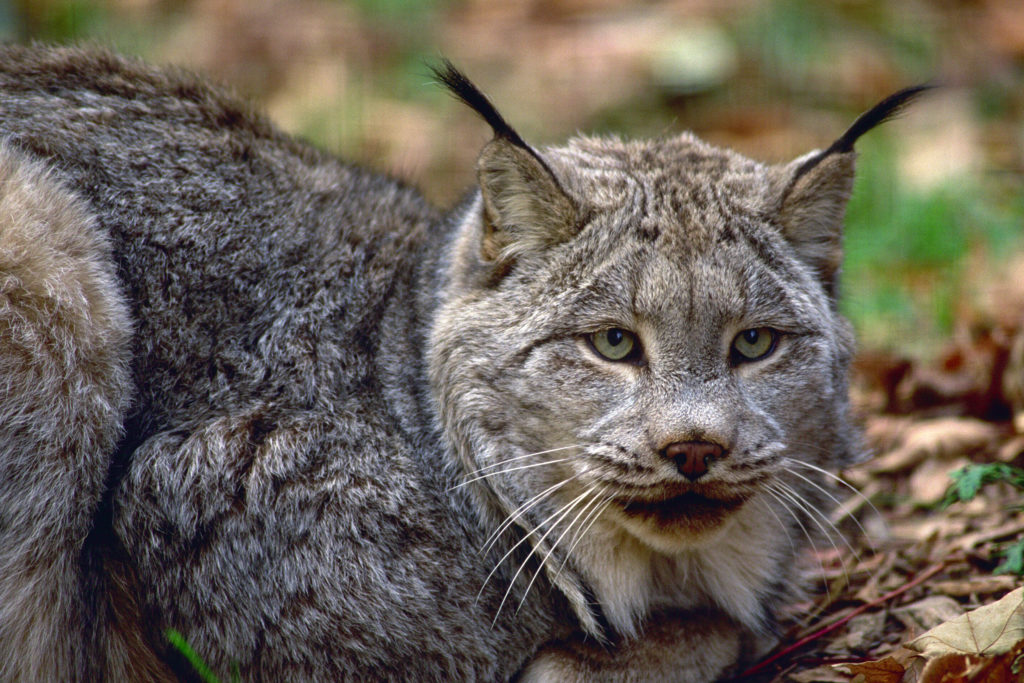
(1010, 529)
(930, 480)
(974, 585)
(886, 670)
(1012, 449)
(928, 613)
(862, 632)
(819, 674)
(989, 630)
(954, 668)
(940, 438)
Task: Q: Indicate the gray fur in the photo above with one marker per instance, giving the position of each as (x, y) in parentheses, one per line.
(273, 401)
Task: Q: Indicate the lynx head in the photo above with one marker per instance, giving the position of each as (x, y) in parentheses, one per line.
(639, 359)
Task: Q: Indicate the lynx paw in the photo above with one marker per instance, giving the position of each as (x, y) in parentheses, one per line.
(691, 647)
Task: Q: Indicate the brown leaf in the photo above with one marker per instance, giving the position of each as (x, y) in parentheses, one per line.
(929, 480)
(886, 670)
(1009, 529)
(862, 632)
(990, 630)
(927, 613)
(1004, 668)
(974, 585)
(941, 438)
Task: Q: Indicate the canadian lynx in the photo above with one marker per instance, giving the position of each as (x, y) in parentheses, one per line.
(570, 429)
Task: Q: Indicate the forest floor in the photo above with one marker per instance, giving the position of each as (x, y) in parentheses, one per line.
(915, 550)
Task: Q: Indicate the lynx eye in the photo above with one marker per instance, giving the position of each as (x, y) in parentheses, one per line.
(615, 344)
(754, 344)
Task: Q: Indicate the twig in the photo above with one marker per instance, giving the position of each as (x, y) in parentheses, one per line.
(919, 579)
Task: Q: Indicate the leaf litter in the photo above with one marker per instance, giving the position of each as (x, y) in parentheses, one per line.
(930, 591)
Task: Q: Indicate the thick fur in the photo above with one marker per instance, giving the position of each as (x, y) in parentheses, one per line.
(281, 405)
(64, 334)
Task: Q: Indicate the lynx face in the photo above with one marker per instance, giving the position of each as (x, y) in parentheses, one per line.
(639, 362)
(654, 376)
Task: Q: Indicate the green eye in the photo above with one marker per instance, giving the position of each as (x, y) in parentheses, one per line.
(754, 344)
(615, 344)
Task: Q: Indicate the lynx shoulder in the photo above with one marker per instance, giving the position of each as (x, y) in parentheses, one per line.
(571, 428)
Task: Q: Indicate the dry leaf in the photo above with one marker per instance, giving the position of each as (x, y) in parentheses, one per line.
(990, 630)
(1010, 529)
(1013, 448)
(928, 613)
(941, 438)
(1004, 668)
(819, 674)
(885, 432)
(929, 481)
(886, 670)
(862, 632)
(973, 585)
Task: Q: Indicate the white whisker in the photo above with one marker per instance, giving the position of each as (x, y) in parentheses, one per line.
(776, 494)
(782, 524)
(840, 480)
(557, 517)
(585, 527)
(835, 500)
(814, 514)
(508, 470)
(519, 511)
(520, 457)
(558, 540)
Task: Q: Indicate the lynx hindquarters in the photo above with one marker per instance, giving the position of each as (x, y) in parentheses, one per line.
(64, 330)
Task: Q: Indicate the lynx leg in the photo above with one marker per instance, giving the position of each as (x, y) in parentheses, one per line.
(685, 647)
(64, 386)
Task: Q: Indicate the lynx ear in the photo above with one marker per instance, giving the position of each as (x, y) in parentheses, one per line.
(525, 207)
(812, 209)
(816, 189)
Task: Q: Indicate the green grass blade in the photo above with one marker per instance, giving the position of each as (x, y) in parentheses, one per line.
(179, 642)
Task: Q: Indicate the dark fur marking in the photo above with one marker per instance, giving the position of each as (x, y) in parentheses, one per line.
(885, 110)
(465, 90)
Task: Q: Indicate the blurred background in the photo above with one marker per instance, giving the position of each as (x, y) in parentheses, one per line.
(934, 241)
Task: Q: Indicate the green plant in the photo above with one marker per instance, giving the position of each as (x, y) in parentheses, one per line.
(202, 668)
(968, 481)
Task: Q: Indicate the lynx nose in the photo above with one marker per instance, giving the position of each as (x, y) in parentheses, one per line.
(692, 458)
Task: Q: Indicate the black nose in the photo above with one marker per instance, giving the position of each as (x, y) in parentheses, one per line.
(692, 458)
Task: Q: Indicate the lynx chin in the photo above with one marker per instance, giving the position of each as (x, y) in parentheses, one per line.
(577, 428)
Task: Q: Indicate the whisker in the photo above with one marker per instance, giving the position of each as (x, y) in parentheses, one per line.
(835, 500)
(821, 565)
(508, 470)
(560, 514)
(558, 540)
(782, 524)
(520, 457)
(814, 514)
(518, 512)
(840, 480)
(585, 527)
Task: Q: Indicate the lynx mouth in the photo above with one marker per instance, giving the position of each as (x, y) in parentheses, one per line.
(687, 508)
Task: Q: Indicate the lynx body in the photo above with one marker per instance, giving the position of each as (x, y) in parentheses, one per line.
(279, 404)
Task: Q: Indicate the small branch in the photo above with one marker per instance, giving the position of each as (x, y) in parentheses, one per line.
(919, 579)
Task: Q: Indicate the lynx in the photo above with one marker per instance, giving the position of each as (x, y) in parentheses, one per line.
(577, 428)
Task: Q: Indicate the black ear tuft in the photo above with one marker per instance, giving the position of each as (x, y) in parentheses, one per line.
(464, 89)
(885, 110)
